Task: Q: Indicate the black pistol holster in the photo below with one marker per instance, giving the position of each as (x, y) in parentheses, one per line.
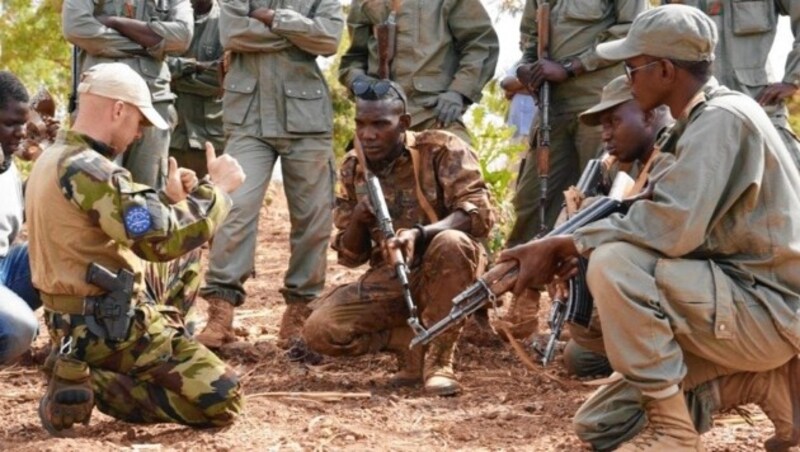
(109, 315)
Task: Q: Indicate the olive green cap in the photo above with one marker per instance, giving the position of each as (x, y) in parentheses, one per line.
(676, 32)
(616, 92)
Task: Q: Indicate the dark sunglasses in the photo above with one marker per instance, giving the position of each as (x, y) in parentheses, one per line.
(375, 89)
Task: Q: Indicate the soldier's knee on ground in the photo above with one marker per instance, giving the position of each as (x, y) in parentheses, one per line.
(448, 245)
(224, 412)
(582, 362)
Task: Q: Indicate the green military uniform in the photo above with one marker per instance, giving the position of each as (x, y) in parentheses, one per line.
(576, 27)
(441, 45)
(277, 105)
(746, 34)
(100, 44)
(156, 373)
(703, 280)
(369, 315)
(198, 101)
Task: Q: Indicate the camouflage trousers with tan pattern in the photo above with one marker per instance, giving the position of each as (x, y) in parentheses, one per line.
(157, 373)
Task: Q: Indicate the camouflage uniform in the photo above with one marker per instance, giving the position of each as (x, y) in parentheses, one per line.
(369, 315)
(100, 44)
(576, 27)
(441, 45)
(198, 101)
(746, 34)
(277, 105)
(156, 373)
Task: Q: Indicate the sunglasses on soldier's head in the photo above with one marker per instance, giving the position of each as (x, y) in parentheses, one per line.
(375, 90)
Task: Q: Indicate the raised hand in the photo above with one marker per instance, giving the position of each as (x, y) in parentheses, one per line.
(225, 171)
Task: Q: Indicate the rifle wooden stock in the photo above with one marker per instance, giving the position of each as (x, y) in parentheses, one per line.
(385, 34)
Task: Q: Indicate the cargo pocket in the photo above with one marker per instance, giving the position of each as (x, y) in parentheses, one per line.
(154, 347)
(307, 107)
(237, 98)
(585, 10)
(752, 16)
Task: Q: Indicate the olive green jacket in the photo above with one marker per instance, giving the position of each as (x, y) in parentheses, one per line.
(576, 27)
(274, 87)
(198, 103)
(441, 45)
(101, 44)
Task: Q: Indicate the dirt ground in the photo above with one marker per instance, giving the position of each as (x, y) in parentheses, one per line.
(504, 405)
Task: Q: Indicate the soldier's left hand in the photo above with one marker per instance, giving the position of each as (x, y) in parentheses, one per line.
(265, 15)
(447, 107)
(403, 241)
(548, 71)
(775, 93)
(180, 182)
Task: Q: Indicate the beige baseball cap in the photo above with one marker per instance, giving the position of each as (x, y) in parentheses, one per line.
(671, 31)
(118, 81)
(616, 92)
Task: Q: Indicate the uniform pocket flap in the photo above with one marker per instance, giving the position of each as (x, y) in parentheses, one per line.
(752, 76)
(243, 85)
(302, 91)
(431, 83)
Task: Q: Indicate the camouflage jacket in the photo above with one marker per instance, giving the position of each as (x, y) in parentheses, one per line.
(441, 45)
(449, 176)
(82, 208)
(576, 27)
(274, 87)
(101, 44)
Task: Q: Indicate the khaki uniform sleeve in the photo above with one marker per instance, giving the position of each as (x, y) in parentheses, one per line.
(82, 29)
(459, 176)
(240, 33)
(319, 35)
(176, 32)
(355, 60)
(528, 38)
(791, 8)
(137, 217)
(625, 11)
(676, 221)
(346, 200)
(477, 45)
(180, 67)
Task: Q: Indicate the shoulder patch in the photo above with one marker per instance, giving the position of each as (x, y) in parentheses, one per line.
(137, 220)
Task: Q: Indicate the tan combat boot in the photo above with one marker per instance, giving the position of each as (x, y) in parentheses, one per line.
(440, 379)
(669, 428)
(522, 315)
(292, 322)
(409, 361)
(776, 392)
(219, 329)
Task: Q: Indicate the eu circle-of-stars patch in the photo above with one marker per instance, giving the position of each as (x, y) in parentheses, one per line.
(137, 220)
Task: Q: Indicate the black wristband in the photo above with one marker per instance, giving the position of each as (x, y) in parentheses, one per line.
(569, 67)
(422, 239)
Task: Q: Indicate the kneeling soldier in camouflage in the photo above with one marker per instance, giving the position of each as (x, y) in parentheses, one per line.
(121, 340)
(440, 205)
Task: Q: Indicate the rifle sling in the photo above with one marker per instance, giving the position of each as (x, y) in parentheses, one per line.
(423, 201)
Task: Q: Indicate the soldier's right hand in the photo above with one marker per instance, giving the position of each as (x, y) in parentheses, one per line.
(69, 399)
(525, 74)
(225, 171)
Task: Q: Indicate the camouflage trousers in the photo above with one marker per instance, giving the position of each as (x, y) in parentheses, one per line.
(361, 317)
(157, 373)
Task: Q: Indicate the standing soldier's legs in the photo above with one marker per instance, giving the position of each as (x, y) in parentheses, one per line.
(456, 127)
(308, 177)
(147, 157)
(450, 264)
(232, 255)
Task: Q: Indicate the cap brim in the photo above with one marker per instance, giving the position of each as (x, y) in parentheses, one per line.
(153, 117)
(591, 117)
(618, 50)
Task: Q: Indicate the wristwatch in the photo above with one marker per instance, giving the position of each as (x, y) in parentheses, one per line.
(569, 66)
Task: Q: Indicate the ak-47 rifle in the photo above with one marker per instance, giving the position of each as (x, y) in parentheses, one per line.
(502, 277)
(543, 136)
(378, 202)
(386, 35)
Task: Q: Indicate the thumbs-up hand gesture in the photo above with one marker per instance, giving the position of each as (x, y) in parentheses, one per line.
(180, 182)
(225, 171)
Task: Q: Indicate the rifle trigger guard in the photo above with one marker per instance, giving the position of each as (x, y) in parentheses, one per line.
(489, 294)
